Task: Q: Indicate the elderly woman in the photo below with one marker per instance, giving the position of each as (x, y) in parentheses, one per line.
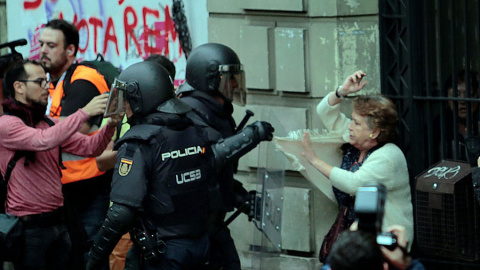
(369, 155)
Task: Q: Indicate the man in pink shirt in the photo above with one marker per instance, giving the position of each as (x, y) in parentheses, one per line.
(35, 189)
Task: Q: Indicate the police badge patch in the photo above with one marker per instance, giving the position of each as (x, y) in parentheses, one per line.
(125, 166)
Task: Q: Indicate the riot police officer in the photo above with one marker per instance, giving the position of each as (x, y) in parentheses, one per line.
(214, 79)
(165, 164)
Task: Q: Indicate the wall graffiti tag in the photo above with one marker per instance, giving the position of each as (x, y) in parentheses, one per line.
(124, 31)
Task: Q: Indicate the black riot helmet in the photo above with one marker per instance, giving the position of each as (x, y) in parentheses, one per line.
(216, 69)
(148, 87)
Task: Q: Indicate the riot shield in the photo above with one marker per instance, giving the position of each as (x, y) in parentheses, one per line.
(270, 182)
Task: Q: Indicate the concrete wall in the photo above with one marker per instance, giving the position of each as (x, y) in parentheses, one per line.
(294, 52)
(3, 25)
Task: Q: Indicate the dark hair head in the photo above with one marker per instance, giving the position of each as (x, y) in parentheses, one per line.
(70, 32)
(380, 113)
(164, 62)
(461, 77)
(15, 72)
(356, 250)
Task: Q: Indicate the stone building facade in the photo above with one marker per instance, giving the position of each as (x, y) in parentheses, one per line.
(294, 53)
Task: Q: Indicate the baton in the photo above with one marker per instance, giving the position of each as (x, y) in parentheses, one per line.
(231, 218)
(247, 116)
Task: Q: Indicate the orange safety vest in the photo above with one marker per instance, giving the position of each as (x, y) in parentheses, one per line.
(51, 90)
(78, 168)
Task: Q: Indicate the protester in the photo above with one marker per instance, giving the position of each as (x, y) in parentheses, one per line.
(86, 187)
(453, 139)
(368, 155)
(35, 189)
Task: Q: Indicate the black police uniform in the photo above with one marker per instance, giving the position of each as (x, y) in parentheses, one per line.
(165, 166)
(162, 170)
(219, 119)
(221, 124)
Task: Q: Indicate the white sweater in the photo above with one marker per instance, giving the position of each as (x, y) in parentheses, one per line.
(386, 165)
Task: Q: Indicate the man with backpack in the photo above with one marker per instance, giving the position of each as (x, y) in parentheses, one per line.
(34, 187)
(86, 187)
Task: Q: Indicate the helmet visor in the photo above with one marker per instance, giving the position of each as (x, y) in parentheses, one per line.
(232, 83)
(115, 99)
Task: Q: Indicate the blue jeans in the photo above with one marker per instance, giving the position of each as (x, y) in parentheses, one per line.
(46, 248)
(181, 254)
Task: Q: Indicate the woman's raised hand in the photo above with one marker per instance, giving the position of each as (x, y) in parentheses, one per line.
(353, 83)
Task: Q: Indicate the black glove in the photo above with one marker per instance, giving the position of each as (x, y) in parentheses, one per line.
(263, 129)
(240, 194)
(255, 208)
(232, 148)
(92, 263)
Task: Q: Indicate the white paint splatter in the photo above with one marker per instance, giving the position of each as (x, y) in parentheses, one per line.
(353, 4)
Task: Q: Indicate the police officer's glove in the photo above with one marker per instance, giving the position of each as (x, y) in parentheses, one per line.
(251, 205)
(255, 203)
(93, 263)
(263, 130)
(234, 147)
(239, 193)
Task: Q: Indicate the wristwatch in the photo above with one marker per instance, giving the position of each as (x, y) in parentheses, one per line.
(337, 94)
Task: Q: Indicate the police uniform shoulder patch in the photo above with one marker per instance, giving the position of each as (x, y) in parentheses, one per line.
(125, 166)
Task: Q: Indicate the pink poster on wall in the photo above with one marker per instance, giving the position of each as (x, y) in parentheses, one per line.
(124, 31)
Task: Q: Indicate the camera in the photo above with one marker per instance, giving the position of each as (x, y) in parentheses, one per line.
(369, 209)
(387, 239)
(7, 59)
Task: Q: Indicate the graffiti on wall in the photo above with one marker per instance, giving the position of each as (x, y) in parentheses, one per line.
(124, 31)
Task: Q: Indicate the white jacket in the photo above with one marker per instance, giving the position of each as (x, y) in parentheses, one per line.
(386, 165)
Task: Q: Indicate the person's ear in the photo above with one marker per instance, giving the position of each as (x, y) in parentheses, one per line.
(374, 134)
(385, 266)
(19, 87)
(71, 50)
